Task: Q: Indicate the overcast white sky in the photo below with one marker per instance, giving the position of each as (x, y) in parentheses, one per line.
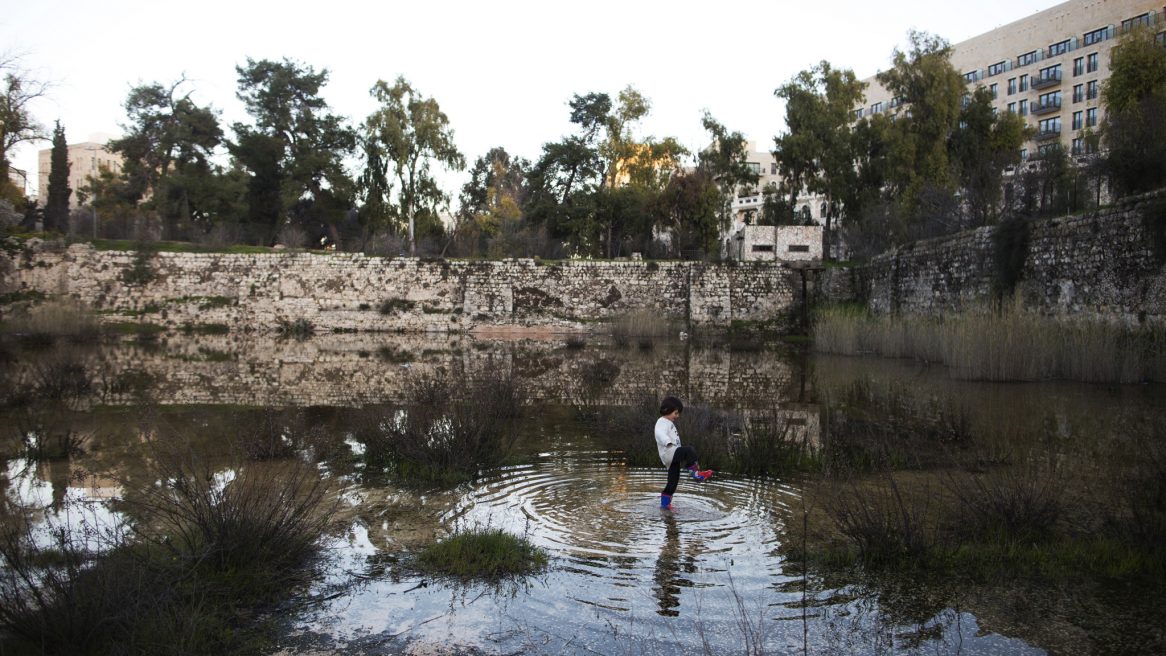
(502, 70)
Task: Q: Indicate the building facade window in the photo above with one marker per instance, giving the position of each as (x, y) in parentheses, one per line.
(1011, 108)
(1091, 90)
(995, 89)
(1096, 36)
(1011, 86)
(1047, 149)
(1091, 63)
(1078, 120)
(1026, 59)
(1024, 83)
(1023, 153)
(1024, 108)
(773, 168)
(1050, 100)
(1050, 73)
(997, 68)
(1060, 48)
(1137, 21)
(1078, 66)
(1091, 117)
(1050, 126)
(1078, 146)
(972, 76)
(876, 108)
(1078, 92)
(858, 113)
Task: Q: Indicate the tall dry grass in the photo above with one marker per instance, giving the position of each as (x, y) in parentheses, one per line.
(1009, 343)
(640, 326)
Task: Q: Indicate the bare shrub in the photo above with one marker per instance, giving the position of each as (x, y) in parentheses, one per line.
(629, 429)
(768, 445)
(448, 429)
(885, 524)
(263, 517)
(1018, 501)
(292, 236)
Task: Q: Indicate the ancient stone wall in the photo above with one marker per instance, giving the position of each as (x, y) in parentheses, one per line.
(352, 292)
(1103, 264)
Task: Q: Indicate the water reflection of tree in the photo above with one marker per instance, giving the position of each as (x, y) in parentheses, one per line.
(671, 565)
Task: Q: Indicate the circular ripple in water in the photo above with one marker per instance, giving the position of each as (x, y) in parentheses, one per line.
(592, 509)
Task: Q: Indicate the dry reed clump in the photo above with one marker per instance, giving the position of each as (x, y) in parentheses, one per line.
(54, 320)
(1009, 343)
(640, 326)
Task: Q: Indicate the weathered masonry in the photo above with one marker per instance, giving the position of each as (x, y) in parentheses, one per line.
(1108, 265)
(352, 292)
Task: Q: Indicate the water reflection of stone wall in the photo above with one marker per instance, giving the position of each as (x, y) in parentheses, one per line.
(344, 291)
(355, 370)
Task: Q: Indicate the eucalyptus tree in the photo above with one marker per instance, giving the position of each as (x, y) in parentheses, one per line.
(409, 134)
(1134, 128)
(816, 153)
(725, 161)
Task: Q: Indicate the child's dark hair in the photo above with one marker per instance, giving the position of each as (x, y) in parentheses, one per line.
(670, 404)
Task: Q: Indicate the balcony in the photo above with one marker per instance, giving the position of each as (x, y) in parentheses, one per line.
(1046, 79)
(1048, 107)
(1049, 133)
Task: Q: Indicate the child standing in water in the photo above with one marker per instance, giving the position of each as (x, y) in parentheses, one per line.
(672, 454)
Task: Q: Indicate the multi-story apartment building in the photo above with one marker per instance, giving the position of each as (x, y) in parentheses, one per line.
(86, 160)
(1049, 67)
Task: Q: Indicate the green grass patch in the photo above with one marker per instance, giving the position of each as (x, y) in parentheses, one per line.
(483, 553)
(24, 296)
(177, 247)
(135, 329)
(205, 329)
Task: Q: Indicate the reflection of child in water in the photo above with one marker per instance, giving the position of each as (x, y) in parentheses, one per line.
(672, 454)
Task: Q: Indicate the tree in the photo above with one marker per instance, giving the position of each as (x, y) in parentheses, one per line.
(491, 201)
(690, 208)
(725, 163)
(981, 147)
(1134, 127)
(923, 80)
(17, 124)
(295, 149)
(57, 204)
(816, 152)
(167, 149)
(412, 133)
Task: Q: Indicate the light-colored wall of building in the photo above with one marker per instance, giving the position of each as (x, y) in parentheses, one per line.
(85, 161)
(1071, 21)
(777, 243)
(747, 205)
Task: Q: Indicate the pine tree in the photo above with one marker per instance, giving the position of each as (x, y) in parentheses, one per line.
(57, 204)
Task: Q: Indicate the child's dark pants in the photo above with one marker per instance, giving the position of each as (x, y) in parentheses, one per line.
(684, 456)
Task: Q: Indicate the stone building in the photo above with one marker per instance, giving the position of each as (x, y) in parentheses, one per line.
(1049, 67)
(86, 160)
(776, 243)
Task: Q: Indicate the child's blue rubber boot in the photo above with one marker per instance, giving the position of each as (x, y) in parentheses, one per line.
(665, 501)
